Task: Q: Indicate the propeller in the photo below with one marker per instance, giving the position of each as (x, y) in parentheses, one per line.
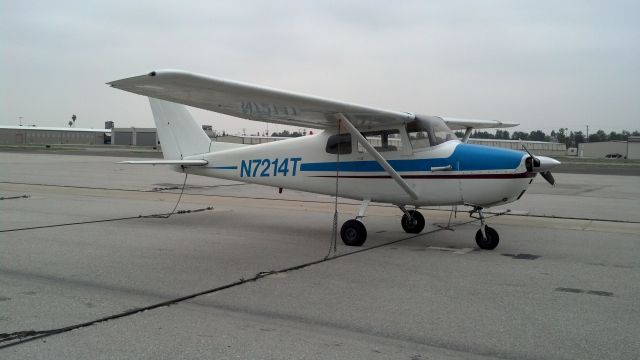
(547, 176)
(542, 165)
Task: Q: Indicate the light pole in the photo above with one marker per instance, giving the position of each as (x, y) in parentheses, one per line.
(587, 133)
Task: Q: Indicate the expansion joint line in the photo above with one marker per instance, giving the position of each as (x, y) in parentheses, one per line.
(151, 216)
(25, 196)
(21, 337)
(319, 201)
(157, 216)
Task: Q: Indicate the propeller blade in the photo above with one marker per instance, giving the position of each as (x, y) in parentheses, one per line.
(547, 176)
(534, 160)
(527, 150)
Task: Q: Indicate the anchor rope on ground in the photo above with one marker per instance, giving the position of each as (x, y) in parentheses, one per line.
(333, 246)
(184, 184)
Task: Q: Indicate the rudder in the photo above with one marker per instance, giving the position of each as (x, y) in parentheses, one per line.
(178, 132)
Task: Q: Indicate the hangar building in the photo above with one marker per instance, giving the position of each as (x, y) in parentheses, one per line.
(27, 135)
(143, 136)
(134, 136)
(611, 149)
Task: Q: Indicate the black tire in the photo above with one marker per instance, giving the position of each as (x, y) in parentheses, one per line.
(415, 226)
(492, 240)
(353, 233)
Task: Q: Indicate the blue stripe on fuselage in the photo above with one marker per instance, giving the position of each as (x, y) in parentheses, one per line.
(466, 157)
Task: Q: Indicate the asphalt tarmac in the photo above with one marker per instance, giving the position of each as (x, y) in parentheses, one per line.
(90, 269)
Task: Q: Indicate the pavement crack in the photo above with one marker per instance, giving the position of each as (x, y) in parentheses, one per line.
(25, 196)
(20, 337)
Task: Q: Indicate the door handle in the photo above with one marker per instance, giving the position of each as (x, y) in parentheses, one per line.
(441, 168)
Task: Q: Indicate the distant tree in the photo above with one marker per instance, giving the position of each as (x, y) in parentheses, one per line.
(599, 136)
(537, 135)
(459, 134)
(482, 135)
(502, 134)
(625, 134)
(561, 137)
(286, 133)
(578, 138)
(519, 135)
(613, 136)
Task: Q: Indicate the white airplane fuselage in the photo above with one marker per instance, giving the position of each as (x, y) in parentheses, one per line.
(451, 173)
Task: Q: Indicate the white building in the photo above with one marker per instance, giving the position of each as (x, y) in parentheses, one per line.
(33, 135)
(611, 149)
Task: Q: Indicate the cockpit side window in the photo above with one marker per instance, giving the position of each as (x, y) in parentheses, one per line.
(428, 131)
(418, 136)
(339, 144)
(442, 133)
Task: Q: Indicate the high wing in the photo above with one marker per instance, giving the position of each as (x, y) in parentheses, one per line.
(461, 124)
(254, 102)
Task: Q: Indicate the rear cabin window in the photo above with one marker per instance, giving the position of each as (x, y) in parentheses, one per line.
(383, 140)
(339, 144)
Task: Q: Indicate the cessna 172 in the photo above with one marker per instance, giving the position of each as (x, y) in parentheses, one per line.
(378, 155)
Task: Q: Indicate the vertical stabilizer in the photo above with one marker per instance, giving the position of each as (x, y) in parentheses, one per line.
(178, 132)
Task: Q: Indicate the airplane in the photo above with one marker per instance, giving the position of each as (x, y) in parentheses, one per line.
(363, 153)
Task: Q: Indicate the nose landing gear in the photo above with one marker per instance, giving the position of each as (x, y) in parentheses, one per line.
(486, 237)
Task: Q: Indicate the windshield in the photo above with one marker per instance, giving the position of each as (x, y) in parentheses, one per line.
(427, 131)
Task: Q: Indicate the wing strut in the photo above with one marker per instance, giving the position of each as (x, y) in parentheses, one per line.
(371, 150)
(467, 133)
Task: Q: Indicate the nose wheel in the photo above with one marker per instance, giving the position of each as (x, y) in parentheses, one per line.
(489, 240)
(486, 237)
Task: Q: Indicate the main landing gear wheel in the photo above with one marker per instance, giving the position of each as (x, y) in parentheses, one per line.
(413, 224)
(489, 241)
(353, 233)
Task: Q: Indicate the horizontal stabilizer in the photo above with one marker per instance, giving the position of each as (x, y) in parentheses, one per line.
(167, 162)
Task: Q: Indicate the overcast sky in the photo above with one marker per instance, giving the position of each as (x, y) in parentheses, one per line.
(545, 64)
